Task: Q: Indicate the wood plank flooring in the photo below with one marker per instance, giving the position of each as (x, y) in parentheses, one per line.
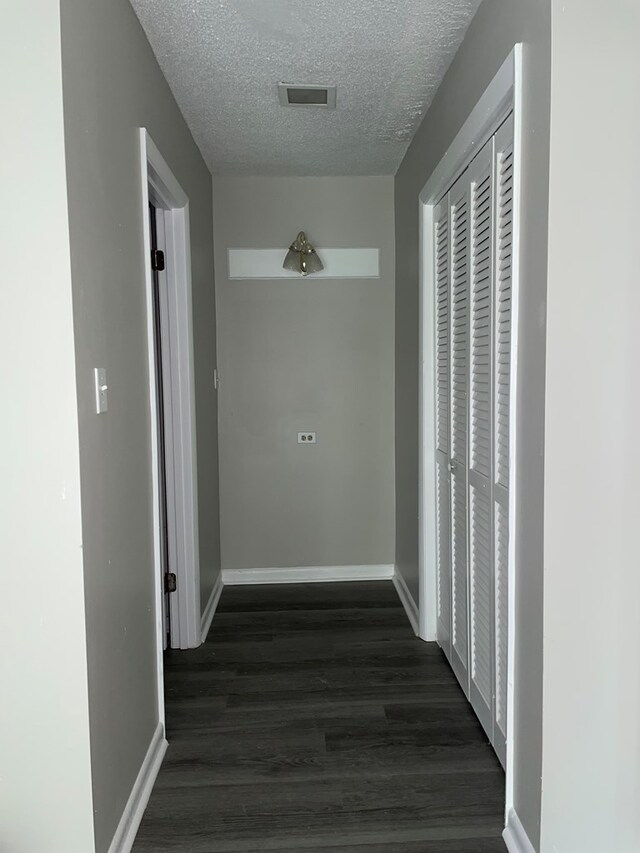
(314, 720)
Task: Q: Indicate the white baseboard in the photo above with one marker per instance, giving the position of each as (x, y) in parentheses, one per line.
(140, 793)
(307, 574)
(210, 609)
(406, 599)
(515, 837)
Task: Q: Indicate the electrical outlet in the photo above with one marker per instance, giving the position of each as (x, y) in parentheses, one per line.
(307, 438)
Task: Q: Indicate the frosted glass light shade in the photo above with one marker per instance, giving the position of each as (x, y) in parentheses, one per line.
(302, 257)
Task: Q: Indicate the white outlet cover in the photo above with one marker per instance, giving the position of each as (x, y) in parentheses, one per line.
(307, 438)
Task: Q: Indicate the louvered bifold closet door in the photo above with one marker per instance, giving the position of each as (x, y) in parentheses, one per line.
(481, 592)
(502, 352)
(459, 373)
(442, 262)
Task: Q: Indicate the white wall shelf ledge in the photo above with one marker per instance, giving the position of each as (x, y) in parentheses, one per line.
(338, 263)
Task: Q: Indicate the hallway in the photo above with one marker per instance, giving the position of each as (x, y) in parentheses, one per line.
(313, 719)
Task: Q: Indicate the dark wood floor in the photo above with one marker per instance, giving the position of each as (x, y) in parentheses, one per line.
(314, 720)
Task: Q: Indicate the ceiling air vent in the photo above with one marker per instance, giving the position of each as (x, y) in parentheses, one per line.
(307, 95)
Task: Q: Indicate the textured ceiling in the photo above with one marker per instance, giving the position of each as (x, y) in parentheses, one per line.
(223, 59)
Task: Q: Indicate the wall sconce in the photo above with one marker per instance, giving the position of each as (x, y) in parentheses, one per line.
(302, 257)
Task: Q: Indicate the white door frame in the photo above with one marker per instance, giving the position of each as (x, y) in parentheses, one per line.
(160, 187)
(503, 96)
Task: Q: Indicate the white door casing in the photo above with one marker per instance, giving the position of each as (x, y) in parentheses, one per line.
(160, 186)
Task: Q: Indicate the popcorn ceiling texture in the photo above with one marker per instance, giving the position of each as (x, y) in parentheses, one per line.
(223, 59)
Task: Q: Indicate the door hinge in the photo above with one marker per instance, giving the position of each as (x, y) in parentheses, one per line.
(157, 260)
(170, 582)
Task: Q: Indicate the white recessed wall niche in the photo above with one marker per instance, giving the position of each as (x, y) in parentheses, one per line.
(338, 263)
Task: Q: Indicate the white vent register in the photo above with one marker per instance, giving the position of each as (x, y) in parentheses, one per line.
(307, 95)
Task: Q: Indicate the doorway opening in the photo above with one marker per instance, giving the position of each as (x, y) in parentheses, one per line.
(163, 408)
(167, 265)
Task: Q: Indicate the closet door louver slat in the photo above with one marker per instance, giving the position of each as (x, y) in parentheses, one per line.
(504, 246)
(481, 266)
(442, 261)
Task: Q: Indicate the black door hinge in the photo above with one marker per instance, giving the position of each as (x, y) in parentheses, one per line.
(170, 582)
(157, 260)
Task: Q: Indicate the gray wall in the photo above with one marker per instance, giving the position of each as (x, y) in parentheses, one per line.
(45, 772)
(496, 27)
(591, 755)
(306, 354)
(112, 86)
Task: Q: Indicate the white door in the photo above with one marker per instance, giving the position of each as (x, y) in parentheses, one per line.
(442, 258)
(459, 372)
(502, 382)
(473, 244)
(481, 594)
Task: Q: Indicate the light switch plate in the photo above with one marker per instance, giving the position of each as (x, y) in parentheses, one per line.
(102, 400)
(307, 438)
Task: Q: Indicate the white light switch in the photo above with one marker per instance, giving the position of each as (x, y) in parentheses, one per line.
(307, 438)
(102, 401)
